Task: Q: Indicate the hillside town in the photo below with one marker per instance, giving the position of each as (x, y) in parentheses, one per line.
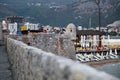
(85, 45)
(86, 40)
(17, 24)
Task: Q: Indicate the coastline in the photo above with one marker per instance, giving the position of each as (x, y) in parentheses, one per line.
(98, 64)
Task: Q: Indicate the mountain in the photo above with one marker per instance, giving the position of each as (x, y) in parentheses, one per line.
(62, 12)
(85, 9)
(49, 2)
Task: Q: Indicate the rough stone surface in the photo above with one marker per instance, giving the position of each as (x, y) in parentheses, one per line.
(29, 63)
(1, 36)
(50, 43)
(55, 44)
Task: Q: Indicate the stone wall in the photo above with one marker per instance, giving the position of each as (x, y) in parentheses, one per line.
(29, 63)
(54, 43)
(1, 36)
(50, 43)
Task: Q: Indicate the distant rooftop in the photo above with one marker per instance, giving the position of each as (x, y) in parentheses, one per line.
(13, 19)
(88, 32)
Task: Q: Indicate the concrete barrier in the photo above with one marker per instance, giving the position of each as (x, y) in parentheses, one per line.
(29, 63)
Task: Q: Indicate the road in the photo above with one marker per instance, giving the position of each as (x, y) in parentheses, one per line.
(5, 72)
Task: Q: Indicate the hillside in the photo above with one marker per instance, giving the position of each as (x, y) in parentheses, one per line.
(62, 12)
(49, 2)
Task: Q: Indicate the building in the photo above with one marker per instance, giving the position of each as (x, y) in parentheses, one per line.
(71, 31)
(31, 26)
(4, 25)
(13, 19)
(12, 27)
(114, 27)
(88, 39)
(16, 19)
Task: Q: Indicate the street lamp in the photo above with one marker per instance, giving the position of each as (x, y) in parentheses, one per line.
(98, 4)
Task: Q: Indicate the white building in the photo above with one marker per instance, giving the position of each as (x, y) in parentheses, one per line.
(47, 29)
(12, 27)
(79, 27)
(31, 26)
(115, 26)
(4, 25)
(71, 31)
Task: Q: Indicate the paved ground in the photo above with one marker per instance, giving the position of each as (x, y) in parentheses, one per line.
(5, 73)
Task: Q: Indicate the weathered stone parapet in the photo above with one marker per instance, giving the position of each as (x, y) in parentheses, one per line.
(50, 43)
(31, 63)
(54, 43)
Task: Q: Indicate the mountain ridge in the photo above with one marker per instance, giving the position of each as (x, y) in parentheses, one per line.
(78, 12)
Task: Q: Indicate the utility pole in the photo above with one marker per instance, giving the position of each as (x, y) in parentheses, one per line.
(99, 20)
